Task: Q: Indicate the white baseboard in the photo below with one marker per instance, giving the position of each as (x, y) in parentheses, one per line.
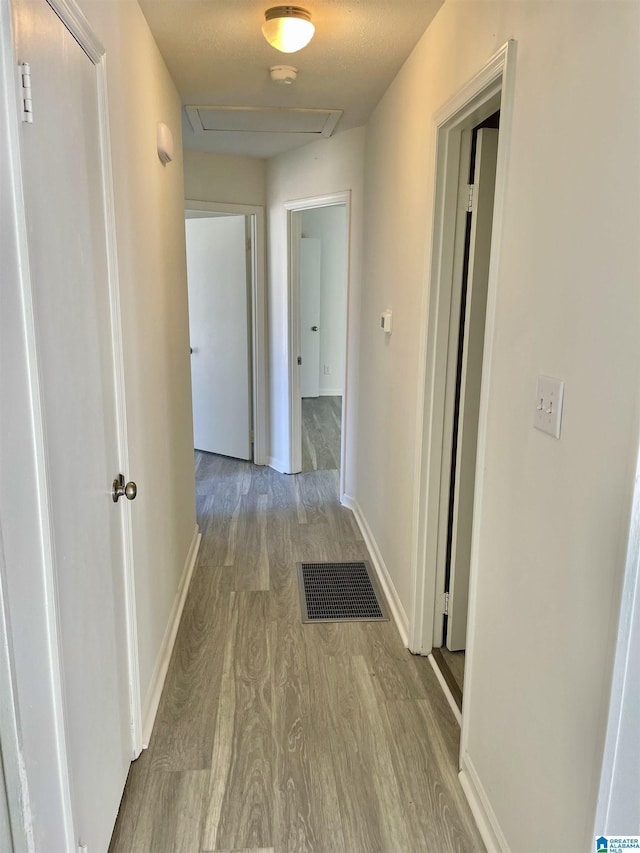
(331, 392)
(445, 689)
(484, 815)
(388, 587)
(152, 699)
(278, 465)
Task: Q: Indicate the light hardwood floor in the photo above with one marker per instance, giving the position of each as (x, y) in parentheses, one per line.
(321, 428)
(277, 736)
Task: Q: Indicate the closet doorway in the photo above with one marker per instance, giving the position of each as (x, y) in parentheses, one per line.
(478, 159)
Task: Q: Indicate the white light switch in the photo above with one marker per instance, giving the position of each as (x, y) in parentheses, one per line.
(385, 321)
(547, 415)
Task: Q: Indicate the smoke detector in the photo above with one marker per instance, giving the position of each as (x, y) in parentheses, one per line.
(283, 74)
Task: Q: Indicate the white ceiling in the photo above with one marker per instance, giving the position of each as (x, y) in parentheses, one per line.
(217, 56)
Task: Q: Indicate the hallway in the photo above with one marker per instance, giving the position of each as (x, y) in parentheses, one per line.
(277, 736)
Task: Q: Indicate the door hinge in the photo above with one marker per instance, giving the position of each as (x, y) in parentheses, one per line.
(25, 84)
(445, 604)
(248, 244)
(470, 200)
(299, 359)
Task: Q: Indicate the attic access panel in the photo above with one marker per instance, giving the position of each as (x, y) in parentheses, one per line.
(315, 122)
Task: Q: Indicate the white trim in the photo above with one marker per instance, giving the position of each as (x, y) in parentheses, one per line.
(508, 59)
(445, 689)
(133, 656)
(278, 464)
(292, 313)
(624, 688)
(152, 699)
(388, 587)
(16, 781)
(259, 314)
(484, 816)
(462, 111)
(331, 392)
(74, 20)
(12, 769)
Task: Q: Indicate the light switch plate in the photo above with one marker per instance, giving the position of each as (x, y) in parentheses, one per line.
(547, 415)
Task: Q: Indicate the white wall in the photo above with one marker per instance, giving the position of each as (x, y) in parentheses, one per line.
(554, 513)
(151, 258)
(328, 224)
(151, 261)
(224, 178)
(324, 167)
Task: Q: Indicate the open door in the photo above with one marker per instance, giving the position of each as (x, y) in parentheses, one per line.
(470, 376)
(219, 327)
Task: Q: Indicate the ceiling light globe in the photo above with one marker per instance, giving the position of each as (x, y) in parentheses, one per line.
(288, 28)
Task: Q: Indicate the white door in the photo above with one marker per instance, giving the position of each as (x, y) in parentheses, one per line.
(219, 326)
(310, 252)
(476, 309)
(64, 200)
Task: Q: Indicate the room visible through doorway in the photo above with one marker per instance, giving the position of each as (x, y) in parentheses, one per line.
(323, 311)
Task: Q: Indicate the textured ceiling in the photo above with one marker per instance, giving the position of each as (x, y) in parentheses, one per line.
(217, 56)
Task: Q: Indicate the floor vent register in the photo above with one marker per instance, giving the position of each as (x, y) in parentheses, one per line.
(340, 592)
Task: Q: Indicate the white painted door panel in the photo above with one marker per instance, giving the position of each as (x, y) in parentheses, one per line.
(219, 328)
(476, 309)
(310, 260)
(62, 175)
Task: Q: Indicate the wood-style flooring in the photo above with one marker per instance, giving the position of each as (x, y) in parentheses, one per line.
(455, 662)
(321, 427)
(451, 666)
(276, 736)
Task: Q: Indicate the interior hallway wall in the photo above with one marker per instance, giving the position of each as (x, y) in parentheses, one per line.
(149, 210)
(328, 224)
(224, 178)
(321, 168)
(554, 513)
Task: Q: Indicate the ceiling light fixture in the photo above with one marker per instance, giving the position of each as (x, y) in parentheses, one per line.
(288, 28)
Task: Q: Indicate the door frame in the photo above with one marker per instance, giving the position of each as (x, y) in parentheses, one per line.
(54, 771)
(491, 88)
(256, 216)
(293, 234)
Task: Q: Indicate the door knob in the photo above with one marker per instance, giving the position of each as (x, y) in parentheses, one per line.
(314, 328)
(120, 490)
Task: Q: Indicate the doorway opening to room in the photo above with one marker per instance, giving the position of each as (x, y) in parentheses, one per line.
(318, 257)
(472, 137)
(472, 249)
(225, 280)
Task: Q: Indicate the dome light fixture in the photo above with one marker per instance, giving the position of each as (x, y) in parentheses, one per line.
(288, 28)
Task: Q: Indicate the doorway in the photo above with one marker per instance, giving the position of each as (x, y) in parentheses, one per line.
(323, 308)
(318, 265)
(225, 277)
(472, 249)
(443, 370)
